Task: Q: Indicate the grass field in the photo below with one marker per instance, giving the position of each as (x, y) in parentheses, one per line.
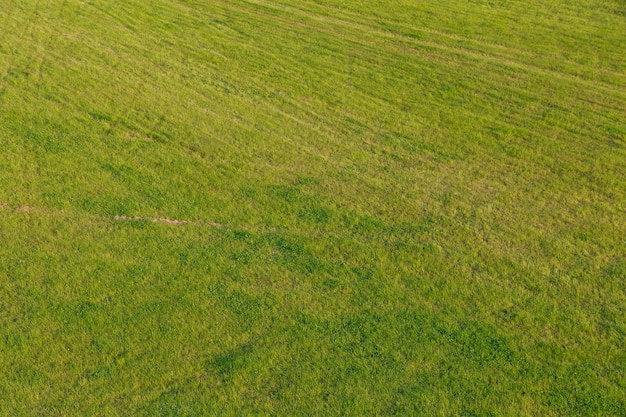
(299, 207)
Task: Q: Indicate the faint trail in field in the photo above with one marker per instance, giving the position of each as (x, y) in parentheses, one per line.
(303, 115)
(119, 218)
(365, 28)
(347, 17)
(165, 220)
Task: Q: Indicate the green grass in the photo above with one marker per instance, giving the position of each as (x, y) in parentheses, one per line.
(391, 208)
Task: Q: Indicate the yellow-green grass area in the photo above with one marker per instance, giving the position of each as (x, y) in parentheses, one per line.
(298, 207)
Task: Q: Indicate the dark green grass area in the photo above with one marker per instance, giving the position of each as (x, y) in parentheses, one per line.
(279, 207)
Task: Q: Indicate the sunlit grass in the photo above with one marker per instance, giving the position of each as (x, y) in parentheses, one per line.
(312, 208)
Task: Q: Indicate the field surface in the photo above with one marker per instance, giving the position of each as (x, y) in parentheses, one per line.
(298, 207)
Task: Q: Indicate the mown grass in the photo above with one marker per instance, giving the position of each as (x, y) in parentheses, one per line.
(394, 208)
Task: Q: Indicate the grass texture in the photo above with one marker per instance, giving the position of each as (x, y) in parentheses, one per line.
(331, 207)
